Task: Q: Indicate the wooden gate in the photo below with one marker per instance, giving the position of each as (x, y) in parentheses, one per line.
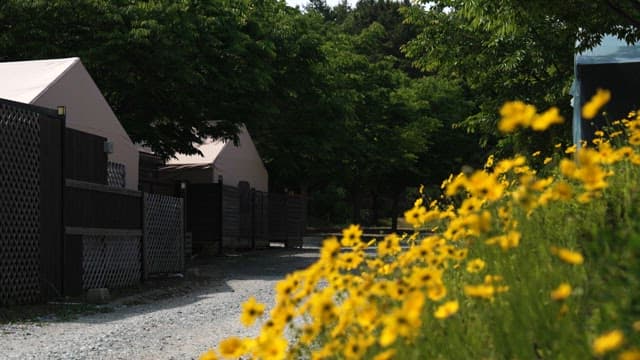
(204, 217)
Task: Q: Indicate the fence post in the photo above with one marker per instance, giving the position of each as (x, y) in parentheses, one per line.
(143, 238)
(221, 186)
(184, 189)
(62, 116)
(252, 204)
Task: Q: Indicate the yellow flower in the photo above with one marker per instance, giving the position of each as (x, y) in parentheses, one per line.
(386, 355)
(330, 249)
(309, 333)
(425, 276)
(561, 292)
(447, 309)
(591, 108)
(286, 287)
(568, 167)
(415, 216)
(481, 291)
(562, 191)
(568, 256)
(475, 265)
(537, 153)
(437, 291)
(453, 185)
(489, 162)
(514, 114)
(634, 139)
(547, 160)
(403, 322)
(349, 260)
(251, 310)
(490, 279)
(209, 355)
(633, 354)
(593, 177)
(585, 197)
(389, 246)
(271, 348)
(356, 347)
(231, 347)
(571, 149)
(351, 235)
(607, 342)
(323, 308)
(506, 242)
(543, 121)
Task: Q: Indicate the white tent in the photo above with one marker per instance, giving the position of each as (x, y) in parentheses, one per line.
(613, 65)
(66, 82)
(222, 158)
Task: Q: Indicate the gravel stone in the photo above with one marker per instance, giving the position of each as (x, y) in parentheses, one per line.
(177, 323)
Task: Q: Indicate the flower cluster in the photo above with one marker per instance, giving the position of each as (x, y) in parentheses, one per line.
(362, 298)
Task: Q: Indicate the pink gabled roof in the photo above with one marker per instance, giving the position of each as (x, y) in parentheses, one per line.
(210, 150)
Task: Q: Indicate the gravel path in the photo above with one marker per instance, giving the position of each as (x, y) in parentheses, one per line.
(182, 325)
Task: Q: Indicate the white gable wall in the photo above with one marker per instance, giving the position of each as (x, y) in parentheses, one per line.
(242, 163)
(88, 111)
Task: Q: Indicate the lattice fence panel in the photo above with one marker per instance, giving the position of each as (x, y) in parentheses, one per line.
(163, 234)
(111, 261)
(116, 174)
(19, 205)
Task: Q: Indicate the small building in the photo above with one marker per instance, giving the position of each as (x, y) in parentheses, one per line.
(613, 65)
(234, 163)
(66, 82)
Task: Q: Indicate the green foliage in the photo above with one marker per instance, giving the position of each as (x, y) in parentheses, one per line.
(326, 93)
(521, 57)
(349, 113)
(174, 72)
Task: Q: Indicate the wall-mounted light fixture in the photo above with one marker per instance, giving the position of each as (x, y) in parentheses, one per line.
(108, 147)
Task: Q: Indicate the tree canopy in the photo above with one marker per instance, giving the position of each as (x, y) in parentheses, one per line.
(351, 103)
(174, 72)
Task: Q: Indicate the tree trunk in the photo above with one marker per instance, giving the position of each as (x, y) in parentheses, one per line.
(375, 211)
(356, 203)
(394, 213)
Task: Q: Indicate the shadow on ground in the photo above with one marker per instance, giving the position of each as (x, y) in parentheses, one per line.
(203, 277)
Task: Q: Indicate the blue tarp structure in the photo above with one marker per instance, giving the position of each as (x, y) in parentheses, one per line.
(613, 65)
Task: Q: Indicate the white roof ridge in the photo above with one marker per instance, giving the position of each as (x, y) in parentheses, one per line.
(27, 80)
(74, 61)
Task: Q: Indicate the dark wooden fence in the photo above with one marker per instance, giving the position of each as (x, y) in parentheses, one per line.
(103, 224)
(62, 228)
(260, 219)
(225, 217)
(84, 157)
(287, 219)
(30, 198)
